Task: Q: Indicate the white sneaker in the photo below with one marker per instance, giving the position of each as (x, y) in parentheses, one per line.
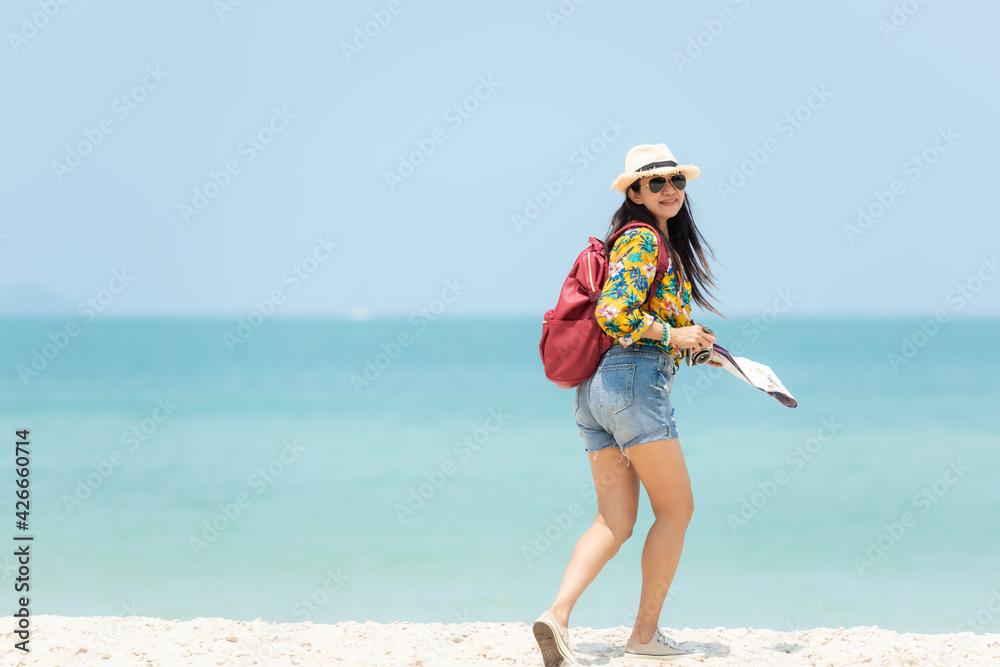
(553, 641)
(661, 647)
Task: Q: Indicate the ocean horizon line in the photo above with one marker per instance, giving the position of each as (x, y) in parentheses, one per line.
(458, 317)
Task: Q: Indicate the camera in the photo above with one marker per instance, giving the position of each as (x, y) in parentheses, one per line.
(701, 356)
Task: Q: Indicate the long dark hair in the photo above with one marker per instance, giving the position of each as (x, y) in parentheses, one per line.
(684, 245)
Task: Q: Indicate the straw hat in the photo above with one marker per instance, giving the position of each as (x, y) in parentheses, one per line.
(651, 160)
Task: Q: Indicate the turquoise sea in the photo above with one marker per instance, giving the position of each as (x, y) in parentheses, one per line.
(173, 477)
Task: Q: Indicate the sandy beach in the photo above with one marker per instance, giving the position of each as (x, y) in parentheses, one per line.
(59, 640)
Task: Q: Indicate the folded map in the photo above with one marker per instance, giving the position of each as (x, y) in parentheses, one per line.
(758, 375)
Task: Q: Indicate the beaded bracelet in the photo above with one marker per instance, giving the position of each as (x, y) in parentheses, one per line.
(666, 333)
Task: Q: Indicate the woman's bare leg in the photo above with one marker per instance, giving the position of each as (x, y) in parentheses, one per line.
(661, 469)
(617, 488)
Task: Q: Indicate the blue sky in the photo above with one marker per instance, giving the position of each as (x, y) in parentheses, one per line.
(200, 158)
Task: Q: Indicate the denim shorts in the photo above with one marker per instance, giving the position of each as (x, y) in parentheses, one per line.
(627, 400)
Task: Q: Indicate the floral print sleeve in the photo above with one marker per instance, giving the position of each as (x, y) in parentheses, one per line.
(631, 267)
(631, 270)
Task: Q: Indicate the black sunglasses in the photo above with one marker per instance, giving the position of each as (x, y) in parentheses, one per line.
(657, 183)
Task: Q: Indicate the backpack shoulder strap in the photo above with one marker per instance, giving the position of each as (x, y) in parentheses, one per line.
(662, 255)
(625, 228)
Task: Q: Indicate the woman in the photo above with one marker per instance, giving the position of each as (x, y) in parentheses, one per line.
(626, 403)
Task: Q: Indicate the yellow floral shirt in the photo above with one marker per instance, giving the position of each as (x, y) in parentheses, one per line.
(631, 268)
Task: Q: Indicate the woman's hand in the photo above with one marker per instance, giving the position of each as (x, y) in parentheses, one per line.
(694, 337)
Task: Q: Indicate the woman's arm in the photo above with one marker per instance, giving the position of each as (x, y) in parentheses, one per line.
(632, 264)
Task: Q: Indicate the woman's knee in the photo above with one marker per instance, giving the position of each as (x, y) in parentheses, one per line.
(620, 525)
(678, 512)
(686, 509)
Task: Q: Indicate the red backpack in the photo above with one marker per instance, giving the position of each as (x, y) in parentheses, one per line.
(572, 340)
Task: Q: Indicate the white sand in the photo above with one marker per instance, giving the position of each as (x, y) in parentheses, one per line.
(136, 640)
